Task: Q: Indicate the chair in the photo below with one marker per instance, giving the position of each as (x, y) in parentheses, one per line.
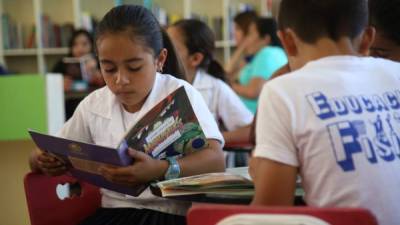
(45, 207)
(210, 214)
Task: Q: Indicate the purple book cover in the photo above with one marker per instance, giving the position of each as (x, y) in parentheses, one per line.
(84, 159)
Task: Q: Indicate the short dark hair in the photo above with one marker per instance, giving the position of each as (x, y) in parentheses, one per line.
(268, 27)
(140, 24)
(314, 19)
(385, 16)
(244, 19)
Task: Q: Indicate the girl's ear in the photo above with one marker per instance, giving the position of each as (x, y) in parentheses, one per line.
(160, 60)
(195, 59)
(287, 38)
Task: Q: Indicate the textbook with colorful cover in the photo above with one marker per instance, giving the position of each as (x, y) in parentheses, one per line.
(170, 128)
(234, 182)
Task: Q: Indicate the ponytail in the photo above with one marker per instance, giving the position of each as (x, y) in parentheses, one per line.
(200, 38)
(216, 70)
(173, 64)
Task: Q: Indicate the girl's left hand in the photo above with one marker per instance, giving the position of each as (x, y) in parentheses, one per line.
(143, 170)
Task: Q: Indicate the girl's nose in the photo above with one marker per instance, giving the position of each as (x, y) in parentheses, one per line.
(122, 79)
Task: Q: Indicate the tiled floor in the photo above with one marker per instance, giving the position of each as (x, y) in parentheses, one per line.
(13, 167)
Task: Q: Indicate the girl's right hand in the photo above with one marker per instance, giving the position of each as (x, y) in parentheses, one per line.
(48, 164)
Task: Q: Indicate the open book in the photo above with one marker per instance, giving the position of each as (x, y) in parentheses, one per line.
(170, 128)
(233, 182)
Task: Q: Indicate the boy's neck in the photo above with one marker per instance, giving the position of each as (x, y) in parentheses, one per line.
(325, 47)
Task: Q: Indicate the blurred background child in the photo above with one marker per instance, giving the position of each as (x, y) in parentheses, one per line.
(268, 56)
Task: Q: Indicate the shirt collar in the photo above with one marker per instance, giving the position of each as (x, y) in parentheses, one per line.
(202, 80)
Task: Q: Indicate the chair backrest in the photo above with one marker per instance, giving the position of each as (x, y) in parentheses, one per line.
(46, 208)
(210, 214)
(271, 219)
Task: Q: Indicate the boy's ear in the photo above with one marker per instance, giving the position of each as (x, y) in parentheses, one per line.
(367, 39)
(195, 59)
(287, 38)
(162, 57)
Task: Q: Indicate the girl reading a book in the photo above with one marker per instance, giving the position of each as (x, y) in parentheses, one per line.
(79, 69)
(194, 41)
(129, 44)
(80, 47)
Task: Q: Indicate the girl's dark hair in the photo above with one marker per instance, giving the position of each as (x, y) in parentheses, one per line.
(268, 27)
(199, 38)
(244, 19)
(75, 35)
(140, 24)
(173, 64)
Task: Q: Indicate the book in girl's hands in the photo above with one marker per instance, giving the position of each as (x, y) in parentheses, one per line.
(169, 129)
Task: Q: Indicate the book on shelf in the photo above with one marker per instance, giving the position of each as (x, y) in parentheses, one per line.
(12, 33)
(169, 129)
(55, 35)
(233, 182)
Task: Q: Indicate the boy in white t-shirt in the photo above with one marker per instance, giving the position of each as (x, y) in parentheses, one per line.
(335, 120)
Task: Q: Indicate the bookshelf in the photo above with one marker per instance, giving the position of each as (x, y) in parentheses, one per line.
(218, 14)
(35, 33)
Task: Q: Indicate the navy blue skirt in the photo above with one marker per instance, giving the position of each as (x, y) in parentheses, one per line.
(132, 216)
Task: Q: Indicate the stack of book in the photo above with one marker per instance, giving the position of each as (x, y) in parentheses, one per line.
(235, 182)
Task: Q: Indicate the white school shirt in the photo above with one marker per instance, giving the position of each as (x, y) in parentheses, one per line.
(98, 119)
(338, 120)
(222, 101)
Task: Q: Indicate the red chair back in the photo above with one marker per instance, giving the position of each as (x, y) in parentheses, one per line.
(209, 214)
(45, 207)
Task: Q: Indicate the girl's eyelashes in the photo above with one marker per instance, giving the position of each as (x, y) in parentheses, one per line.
(135, 69)
(130, 69)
